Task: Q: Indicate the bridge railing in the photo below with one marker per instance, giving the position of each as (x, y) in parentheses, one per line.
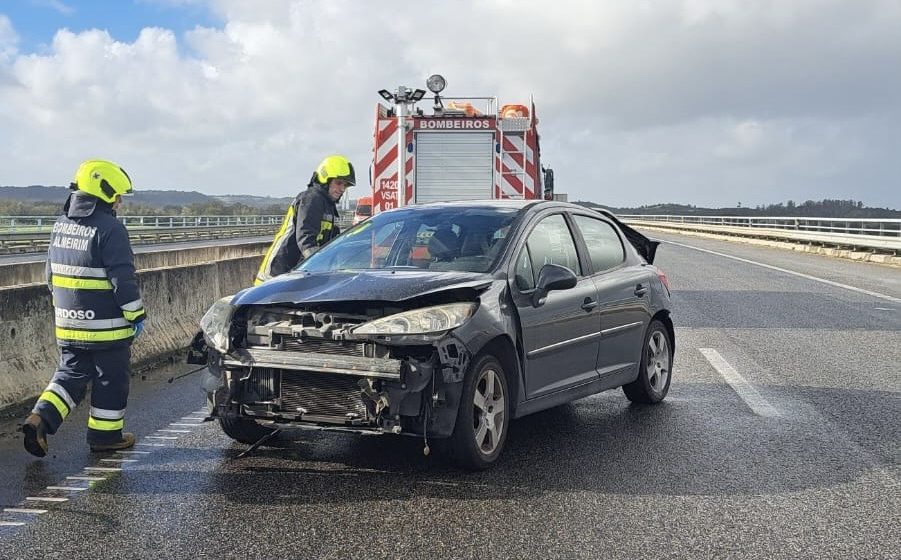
(867, 233)
(29, 234)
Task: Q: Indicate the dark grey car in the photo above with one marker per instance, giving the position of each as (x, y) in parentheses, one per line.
(445, 321)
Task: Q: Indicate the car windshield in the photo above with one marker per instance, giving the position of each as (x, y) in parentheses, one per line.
(364, 210)
(438, 238)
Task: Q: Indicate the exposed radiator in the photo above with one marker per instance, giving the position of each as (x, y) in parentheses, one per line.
(321, 394)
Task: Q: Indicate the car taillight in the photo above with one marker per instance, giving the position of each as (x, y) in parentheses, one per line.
(665, 281)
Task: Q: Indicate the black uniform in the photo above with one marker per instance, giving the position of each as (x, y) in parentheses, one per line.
(96, 300)
(308, 225)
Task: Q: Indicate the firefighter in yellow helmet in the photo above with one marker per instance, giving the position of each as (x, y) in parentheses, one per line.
(98, 311)
(310, 221)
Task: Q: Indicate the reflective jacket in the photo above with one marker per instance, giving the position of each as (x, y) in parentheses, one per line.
(308, 225)
(91, 272)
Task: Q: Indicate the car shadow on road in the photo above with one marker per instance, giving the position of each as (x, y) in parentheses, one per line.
(701, 441)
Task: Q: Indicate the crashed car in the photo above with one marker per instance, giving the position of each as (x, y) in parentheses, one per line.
(446, 321)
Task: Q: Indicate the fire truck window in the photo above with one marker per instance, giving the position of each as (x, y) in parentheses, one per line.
(552, 243)
(604, 245)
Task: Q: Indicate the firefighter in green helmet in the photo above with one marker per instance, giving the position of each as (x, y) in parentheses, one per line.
(98, 311)
(310, 220)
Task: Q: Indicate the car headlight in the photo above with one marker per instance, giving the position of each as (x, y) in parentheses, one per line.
(428, 320)
(216, 323)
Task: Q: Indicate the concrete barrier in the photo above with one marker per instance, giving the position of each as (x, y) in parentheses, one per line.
(176, 294)
(14, 274)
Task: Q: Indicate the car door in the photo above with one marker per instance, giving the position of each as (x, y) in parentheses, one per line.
(623, 286)
(560, 336)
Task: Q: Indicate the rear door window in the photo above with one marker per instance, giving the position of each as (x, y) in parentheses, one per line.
(604, 245)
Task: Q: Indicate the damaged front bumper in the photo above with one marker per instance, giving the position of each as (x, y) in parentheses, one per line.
(403, 385)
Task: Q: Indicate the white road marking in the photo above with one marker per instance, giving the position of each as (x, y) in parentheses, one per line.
(185, 425)
(745, 390)
(25, 510)
(134, 452)
(11, 523)
(175, 431)
(792, 272)
(118, 460)
(46, 499)
(88, 478)
(102, 469)
(883, 309)
(160, 437)
(68, 488)
(152, 444)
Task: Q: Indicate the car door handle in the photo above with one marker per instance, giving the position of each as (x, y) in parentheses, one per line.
(589, 304)
(641, 290)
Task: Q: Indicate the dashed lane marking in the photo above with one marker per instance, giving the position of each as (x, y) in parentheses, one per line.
(134, 452)
(118, 460)
(87, 478)
(186, 425)
(739, 384)
(68, 488)
(161, 437)
(45, 499)
(102, 469)
(152, 444)
(12, 523)
(175, 431)
(792, 272)
(27, 511)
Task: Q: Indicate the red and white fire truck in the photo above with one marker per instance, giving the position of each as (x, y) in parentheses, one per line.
(468, 148)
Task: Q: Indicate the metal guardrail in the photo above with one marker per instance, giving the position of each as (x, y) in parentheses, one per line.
(868, 233)
(30, 234)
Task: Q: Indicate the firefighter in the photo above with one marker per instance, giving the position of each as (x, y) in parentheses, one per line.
(98, 308)
(310, 221)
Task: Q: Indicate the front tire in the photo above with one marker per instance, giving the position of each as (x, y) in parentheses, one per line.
(483, 418)
(242, 430)
(655, 370)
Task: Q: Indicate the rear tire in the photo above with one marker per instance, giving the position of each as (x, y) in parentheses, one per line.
(655, 369)
(483, 417)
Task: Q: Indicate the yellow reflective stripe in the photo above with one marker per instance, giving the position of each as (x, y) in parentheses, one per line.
(324, 226)
(57, 402)
(81, 283)
(282, 232)
(132, 315)
(94, 336)
(105, 425)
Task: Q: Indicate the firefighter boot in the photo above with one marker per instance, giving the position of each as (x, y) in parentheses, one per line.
(128, 440)
(35, 435)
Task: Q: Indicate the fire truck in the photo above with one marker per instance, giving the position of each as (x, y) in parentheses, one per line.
(467, 148)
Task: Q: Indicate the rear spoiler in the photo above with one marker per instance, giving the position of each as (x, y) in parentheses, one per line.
(645, 246)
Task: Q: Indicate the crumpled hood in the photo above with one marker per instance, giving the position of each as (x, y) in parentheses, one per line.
(378, 285)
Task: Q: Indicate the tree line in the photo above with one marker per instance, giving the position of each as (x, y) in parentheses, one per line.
(826, 208)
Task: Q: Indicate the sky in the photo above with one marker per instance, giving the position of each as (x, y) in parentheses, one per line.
(704, 102)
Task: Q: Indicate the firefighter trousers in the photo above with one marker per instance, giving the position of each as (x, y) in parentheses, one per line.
(107, 371)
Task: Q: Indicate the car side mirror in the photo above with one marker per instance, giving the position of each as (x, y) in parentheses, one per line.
(552, 277)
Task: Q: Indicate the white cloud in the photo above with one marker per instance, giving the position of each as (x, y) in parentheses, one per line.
(702, 101)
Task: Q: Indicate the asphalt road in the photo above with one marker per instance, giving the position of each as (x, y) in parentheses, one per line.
(779, 439)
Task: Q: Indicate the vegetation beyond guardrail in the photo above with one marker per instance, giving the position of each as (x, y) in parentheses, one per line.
(863, 233)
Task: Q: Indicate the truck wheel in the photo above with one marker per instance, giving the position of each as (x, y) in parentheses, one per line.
(655, 370)
(483, 417)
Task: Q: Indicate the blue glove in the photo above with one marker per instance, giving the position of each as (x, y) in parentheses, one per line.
(139, 328)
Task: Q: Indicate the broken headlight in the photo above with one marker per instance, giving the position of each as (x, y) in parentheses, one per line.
(428, 320)
(216, 323)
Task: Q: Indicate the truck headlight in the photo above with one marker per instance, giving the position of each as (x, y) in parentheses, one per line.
(428, 320)
(216, 323)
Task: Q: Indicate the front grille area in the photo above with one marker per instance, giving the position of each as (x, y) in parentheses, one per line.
(321, 394)
(334, 347)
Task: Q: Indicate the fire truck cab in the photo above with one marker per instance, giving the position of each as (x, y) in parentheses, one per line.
(466, 148)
